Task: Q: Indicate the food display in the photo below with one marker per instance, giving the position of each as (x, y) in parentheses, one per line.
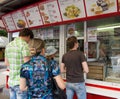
(72, 9)
(97, 7)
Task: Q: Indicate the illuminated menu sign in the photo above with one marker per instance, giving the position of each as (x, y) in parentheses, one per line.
(72, 9)
(33, 16)
(8, 22)
(50, 12)
(19, 19)
(98, 7)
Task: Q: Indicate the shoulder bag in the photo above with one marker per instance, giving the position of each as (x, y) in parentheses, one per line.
(57, 92)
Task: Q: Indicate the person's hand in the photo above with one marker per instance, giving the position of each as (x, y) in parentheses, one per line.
(32, 51)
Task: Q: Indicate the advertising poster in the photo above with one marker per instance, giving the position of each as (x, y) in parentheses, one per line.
(72, 9)
(19, 19)
(50, 12)
(71, 30)
(8, 22)
(33, 16)
(92, 34)
(98, 7)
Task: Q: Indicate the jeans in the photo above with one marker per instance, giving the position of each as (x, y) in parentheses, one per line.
(15, 93)
(78, 88)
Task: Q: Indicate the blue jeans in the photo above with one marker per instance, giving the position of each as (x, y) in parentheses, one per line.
(15, 93)
(78, 88)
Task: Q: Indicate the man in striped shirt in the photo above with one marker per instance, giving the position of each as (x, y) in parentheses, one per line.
(16, 53)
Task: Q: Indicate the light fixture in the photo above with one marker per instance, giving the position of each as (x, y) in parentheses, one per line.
(108, 27)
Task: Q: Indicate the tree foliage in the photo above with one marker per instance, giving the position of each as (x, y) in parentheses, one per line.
(3, 33)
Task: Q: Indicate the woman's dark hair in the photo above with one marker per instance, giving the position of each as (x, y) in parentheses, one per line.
(71, 42)
(26, 32)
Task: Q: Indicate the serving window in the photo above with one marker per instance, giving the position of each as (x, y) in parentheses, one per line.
(104, 49)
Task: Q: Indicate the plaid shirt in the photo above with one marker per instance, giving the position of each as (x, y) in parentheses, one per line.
(15, 52)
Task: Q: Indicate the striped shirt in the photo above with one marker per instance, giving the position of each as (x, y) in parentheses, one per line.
(15, 52)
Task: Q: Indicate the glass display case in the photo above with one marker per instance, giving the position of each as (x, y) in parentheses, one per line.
(106, 65)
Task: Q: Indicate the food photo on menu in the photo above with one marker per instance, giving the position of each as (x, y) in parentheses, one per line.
(72, 11)
(21, 23)
(97, 7)
(19, 19)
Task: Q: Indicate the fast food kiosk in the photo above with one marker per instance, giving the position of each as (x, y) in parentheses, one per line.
(96, 24)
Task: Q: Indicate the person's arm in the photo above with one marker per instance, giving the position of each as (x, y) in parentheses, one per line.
(62, 68)
(60, 82)
(85, 67)
(6, 62)
(26, 58)
(23, 86)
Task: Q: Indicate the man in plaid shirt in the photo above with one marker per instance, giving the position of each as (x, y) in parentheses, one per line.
(16, 53)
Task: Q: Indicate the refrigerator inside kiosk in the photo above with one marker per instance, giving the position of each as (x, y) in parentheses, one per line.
(51, 37)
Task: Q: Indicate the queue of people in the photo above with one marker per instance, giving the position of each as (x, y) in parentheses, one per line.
(32, 66)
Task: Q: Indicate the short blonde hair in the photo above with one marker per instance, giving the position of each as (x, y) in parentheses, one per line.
(38, 44)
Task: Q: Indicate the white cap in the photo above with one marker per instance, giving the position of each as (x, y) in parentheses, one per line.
(50, 50)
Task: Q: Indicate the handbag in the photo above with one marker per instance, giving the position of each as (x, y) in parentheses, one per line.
(56, 91)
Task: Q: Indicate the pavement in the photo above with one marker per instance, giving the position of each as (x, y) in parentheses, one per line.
(4, 92)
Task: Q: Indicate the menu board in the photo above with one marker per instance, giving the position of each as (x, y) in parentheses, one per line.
(8, 22)
(72, 9)
(50, 12)
(19, 19)
(97, 7)
(33, 16)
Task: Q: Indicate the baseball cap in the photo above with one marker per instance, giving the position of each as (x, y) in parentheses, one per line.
(50, 50)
